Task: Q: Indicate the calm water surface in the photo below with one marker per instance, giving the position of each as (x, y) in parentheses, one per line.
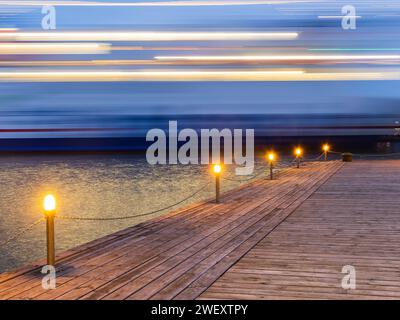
(89, 186)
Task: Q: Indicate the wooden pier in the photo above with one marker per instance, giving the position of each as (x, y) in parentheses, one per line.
(283, 239)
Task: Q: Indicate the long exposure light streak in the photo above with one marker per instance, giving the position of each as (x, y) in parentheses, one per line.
(354, 49)
(150, 3)
(144, 36)
(173, 75)
(279, 57)
(54, 48)
(167, 75)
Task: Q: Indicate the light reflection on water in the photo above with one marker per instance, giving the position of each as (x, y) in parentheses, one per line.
(91, 186)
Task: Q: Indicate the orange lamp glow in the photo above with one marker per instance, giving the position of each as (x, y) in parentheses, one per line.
(217, 168)
(326, 147)
(271, 156)
(49, 203)
(298, 151)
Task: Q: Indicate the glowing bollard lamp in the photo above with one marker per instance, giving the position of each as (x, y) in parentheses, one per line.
(298, 152)
(49, 206)
(271, 158)
(326, 149)
(217, 171)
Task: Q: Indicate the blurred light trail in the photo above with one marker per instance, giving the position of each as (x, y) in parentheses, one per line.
(54, 48)
(94, 63)
(354, 49)
(180, 48)
(167, 75)
(152, 4)
(35, 130)
(279, 57)
(144, 36)
(339, 17)
(173, 75)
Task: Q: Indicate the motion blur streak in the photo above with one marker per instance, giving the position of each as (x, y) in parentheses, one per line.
(285, 68)
(171, 75)
(280, 57)
(56, 48)
(151, 4)
(168, 75)
(145, 36)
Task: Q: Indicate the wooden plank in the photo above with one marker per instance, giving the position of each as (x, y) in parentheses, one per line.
(205, 279)
(353, 219)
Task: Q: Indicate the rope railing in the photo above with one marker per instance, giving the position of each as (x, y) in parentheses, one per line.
(263, 170)
(253, 176)
(136, 215)
(284, 165)
(314, 159)
(21, 232)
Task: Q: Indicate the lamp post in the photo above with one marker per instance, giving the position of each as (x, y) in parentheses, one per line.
(326, 148)
(298, 153)
(49, 206)
(271, 159)
(217, 171)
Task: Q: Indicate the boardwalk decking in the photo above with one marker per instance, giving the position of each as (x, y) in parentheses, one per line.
(353, 219)
(287, 238)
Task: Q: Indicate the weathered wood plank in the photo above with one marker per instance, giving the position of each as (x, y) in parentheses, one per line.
(352, 219)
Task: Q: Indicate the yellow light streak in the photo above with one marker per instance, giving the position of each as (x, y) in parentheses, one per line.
(186, 75)
(53, 48)
(279, 57)
(167, 75)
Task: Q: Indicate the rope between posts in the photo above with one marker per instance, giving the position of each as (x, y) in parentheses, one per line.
(262, 170)
(134, 216)
(313, 159)
(21, 232)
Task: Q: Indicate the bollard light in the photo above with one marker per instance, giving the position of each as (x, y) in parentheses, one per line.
(49, 207)
(271, 158)
(49, 204)
(217, 169)
(326, 149)
(298, 152)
